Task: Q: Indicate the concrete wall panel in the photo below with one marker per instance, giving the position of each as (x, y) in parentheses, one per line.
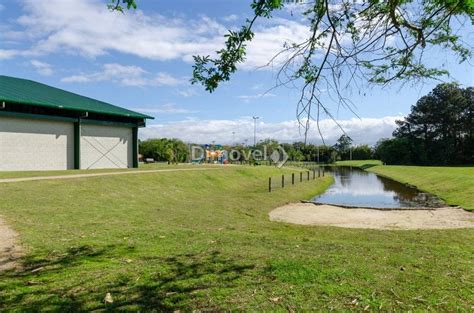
(30, 144)
(106, 147)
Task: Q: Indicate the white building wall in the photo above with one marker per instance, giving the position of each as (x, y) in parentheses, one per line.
(106, 147)
(30, 144)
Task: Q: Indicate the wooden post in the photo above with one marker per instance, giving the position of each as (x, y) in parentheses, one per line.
(319, 172)
(301, 177)
(269, 184)
(307, 174)
(314, 173)
(323, 171)
(282, 181)
(292, 178)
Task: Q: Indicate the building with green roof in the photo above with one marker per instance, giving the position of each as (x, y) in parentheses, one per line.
(46, 128)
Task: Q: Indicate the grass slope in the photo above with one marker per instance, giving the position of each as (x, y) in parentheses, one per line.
(455, 185)
(359, 163)
(150, 166)
(202, 240)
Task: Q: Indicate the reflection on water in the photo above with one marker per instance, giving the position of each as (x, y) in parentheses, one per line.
(355, 187)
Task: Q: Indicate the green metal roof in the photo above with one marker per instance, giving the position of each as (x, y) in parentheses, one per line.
(24, 91)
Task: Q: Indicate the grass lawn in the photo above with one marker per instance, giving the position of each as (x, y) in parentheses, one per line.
(202, 240)
(359, 163)
(455, 185)
(150, 166)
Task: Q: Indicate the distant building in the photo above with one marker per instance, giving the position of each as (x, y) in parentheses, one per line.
(46, 128)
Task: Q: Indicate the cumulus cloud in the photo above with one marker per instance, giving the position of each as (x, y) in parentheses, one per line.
(362, 131)
(127, 75)
(87, 28)
(270, 40)
(42, 68)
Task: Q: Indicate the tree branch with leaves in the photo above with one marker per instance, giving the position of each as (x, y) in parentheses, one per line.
(351, 43)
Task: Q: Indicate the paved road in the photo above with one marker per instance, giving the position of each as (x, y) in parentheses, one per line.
(72, 176)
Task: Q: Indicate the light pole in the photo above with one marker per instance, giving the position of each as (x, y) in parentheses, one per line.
(233, 138)
(255, 118)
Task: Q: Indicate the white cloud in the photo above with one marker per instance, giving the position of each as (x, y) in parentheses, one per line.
(164, 79)
(270, 40)
(87, 28)
(127, 75)
(248, 98)
(8, 54)
(168, 108)
(189, 92)
(42, 68)
(231, 18)
(365, 130)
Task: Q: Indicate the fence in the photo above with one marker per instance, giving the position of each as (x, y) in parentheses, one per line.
(292, 179)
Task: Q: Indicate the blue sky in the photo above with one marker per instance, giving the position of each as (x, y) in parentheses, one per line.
(143, 61)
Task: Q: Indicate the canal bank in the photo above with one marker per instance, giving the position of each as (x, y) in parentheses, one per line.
(329, 215)
(362, 199)
(453, 184)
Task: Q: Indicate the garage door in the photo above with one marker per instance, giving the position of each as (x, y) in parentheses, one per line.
(106, 147)
(29, 144)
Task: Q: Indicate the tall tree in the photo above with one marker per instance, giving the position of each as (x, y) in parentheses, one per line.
(343, 145)
(439, 128)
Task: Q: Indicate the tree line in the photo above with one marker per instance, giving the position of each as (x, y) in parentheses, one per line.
(438, 131)
(176, 151)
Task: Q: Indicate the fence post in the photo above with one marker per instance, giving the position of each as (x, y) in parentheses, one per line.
(307, 174)
(301, 177)
(314, 173)
(323, 171)
(319, 171)
(269, 184)
(292, 178)
(282, 181)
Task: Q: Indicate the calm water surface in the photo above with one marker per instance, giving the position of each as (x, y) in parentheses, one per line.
(358, 188)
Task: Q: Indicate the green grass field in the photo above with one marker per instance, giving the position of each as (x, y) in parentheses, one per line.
(202, 240)
(144, 167)
(359, 163)
(455, 185)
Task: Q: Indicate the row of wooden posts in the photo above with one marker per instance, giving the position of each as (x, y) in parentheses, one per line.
(319, 170)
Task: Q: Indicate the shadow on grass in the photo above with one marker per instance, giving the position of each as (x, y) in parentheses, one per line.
(178, 282)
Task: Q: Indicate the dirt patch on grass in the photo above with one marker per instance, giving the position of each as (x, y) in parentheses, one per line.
(10, 251)
(329, 215)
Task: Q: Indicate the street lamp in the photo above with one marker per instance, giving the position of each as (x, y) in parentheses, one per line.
(255, 118)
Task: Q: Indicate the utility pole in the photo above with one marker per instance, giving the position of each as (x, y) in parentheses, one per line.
(233, 138)
(255, 118)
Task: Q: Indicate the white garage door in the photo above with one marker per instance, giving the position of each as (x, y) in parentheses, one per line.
(106, 147)
(29, 144)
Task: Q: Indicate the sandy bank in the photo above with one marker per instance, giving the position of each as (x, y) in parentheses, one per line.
(329, 215)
